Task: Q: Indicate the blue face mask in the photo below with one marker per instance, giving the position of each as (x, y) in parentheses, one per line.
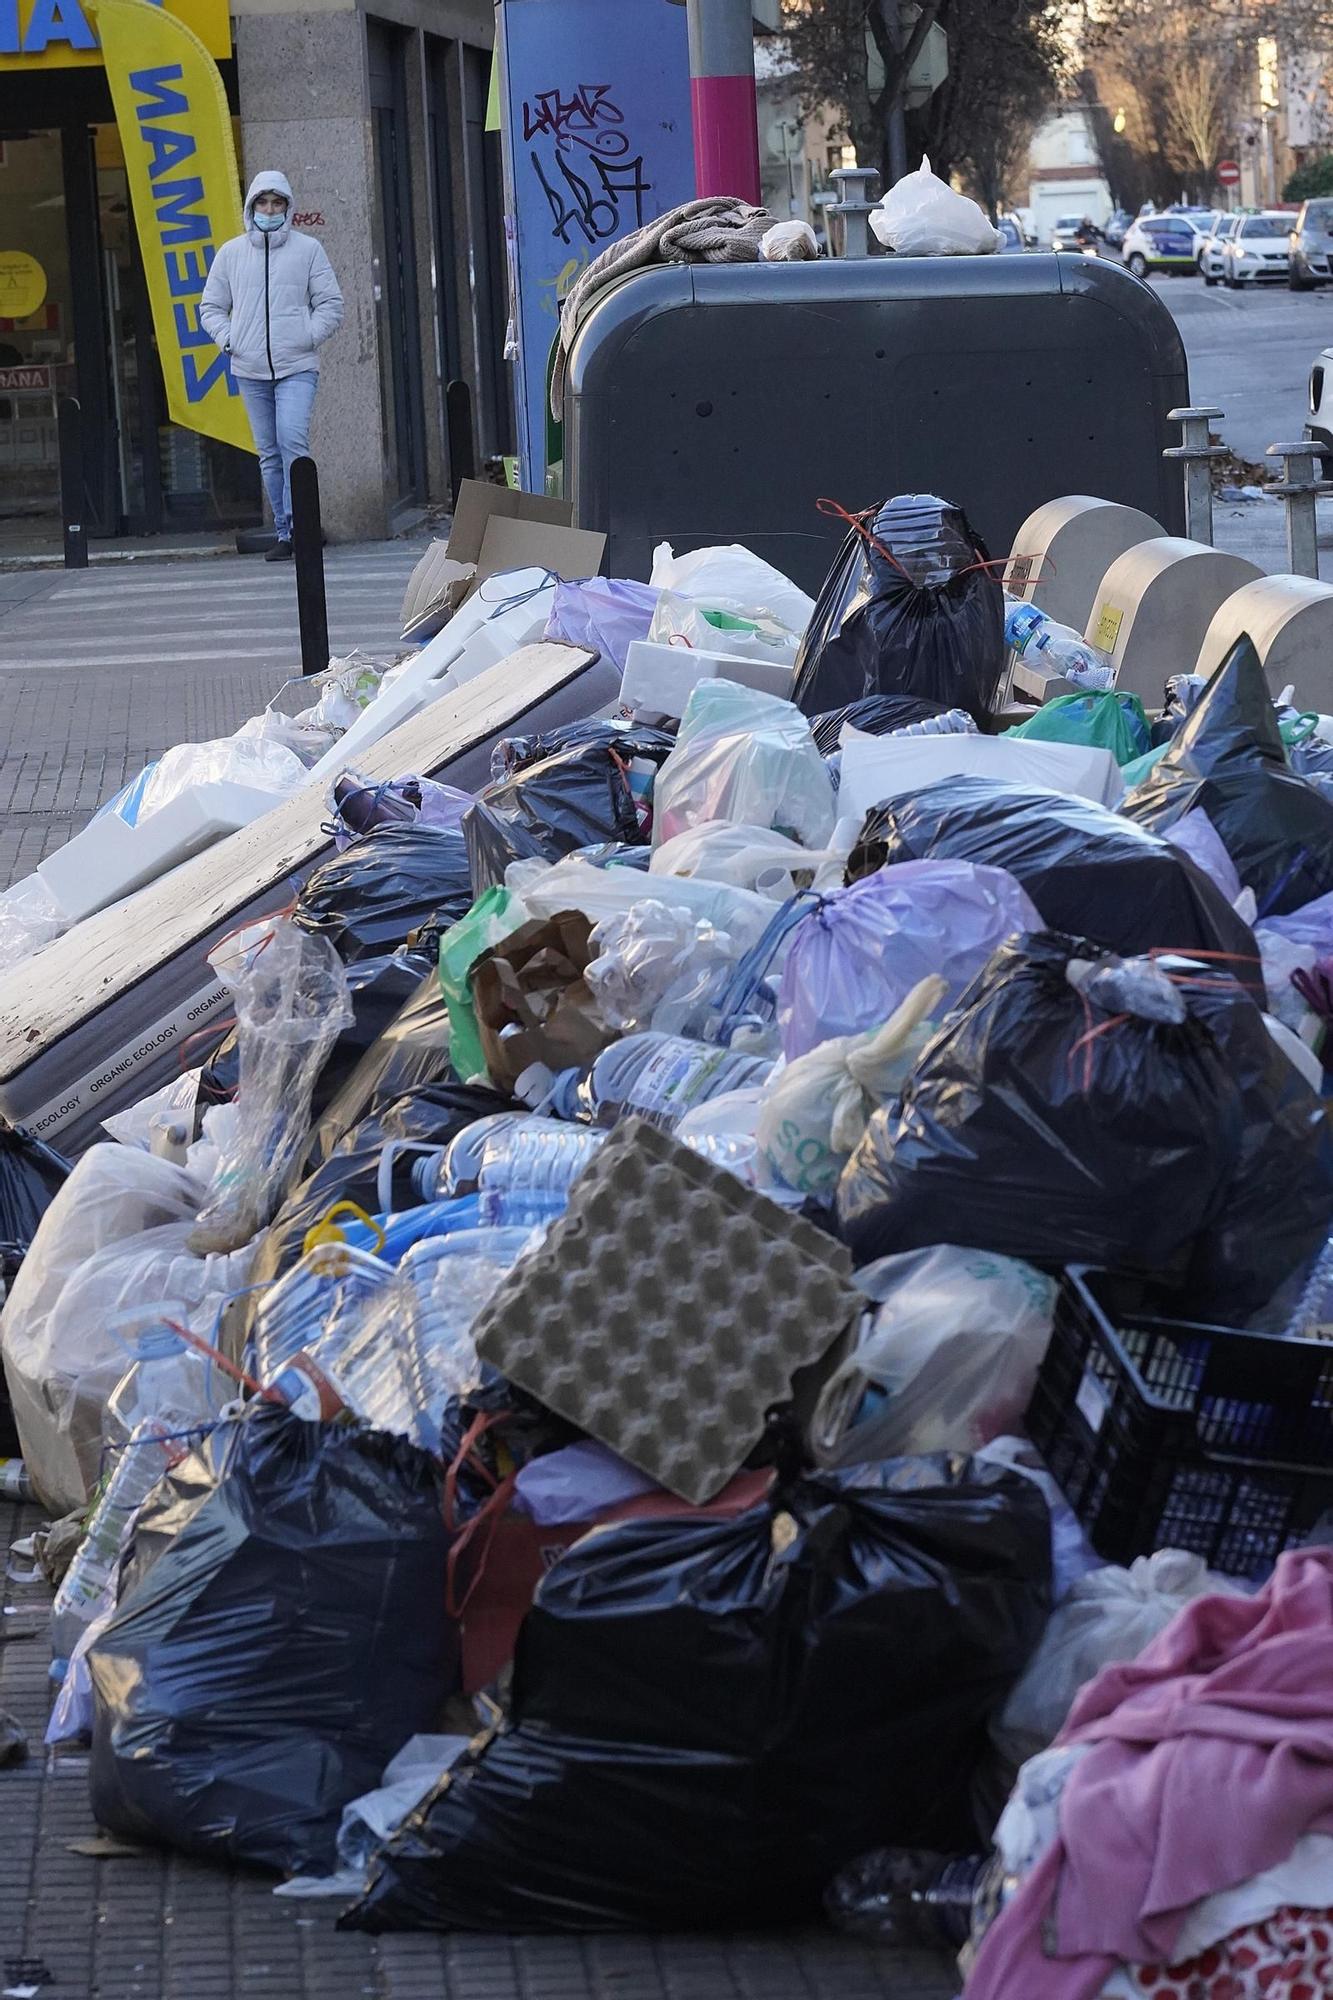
(269, 222)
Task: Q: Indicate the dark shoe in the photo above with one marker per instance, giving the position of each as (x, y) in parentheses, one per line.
(280, 552)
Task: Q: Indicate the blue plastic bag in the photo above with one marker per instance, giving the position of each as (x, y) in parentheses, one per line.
(602, 613)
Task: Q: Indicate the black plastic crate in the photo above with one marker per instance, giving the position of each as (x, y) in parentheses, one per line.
(1165, 1434)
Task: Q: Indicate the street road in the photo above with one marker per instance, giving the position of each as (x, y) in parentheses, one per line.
(1250, 354)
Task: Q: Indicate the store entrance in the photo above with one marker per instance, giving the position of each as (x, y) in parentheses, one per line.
(65, 210)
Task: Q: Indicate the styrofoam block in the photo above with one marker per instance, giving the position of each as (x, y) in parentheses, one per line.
(667, 1309)
(658, 678)
(109, 859)
(411, 690)
(876, 768)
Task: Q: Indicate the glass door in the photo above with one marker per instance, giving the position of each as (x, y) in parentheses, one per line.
(36, 330)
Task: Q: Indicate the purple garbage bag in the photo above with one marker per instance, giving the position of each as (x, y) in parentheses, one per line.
(862, 949)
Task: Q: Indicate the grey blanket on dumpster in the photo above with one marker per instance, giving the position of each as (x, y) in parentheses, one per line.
(717, 229)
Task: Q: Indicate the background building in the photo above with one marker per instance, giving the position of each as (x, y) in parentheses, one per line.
(379, 121)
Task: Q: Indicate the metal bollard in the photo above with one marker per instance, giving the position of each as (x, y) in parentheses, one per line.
(69, 437)
(1299, 488)
(312, 609)
(1195, 451)
(854, 207)
(462, 453)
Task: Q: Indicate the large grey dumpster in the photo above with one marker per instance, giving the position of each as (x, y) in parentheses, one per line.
(712, 403)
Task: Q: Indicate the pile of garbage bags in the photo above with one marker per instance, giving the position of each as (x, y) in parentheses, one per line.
(547, 1397)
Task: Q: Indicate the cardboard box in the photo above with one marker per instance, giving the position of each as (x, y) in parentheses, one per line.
(495, 528)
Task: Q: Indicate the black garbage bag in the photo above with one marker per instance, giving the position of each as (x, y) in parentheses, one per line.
(709, 1718)
(910, 606)
(628, 739)
(398, 879)
(280, 1649)
(31, 1175)
(1229, 761)
(411, 1048)
(574, 798)
(428, 1116)
(1088, 871)
(876, 714)
(1065, 1121)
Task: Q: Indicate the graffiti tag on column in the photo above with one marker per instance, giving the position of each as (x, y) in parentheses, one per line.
(592, 185)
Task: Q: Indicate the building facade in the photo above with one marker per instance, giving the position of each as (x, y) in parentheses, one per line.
(378, 118)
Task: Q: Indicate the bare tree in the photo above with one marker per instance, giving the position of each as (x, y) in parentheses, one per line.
(1003, 63)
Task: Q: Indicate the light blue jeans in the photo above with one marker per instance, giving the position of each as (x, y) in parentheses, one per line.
(279, 414)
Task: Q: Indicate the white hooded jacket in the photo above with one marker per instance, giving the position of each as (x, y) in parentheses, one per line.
(271, 299)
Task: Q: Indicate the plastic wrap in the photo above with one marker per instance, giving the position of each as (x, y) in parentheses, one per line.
(709, 1718)
(1087, 870)
(1062, 1122)
(748, 757)
(361, 807)
(237, 760)
(288, 1639)
(573, 884)
(947, 1361)
(656, 966)
(910, 606)
(290, 993)
(862, 949)
(1229, 760)
(29, 918)
(630, 740)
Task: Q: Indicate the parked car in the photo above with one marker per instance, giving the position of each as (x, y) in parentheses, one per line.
(1319, 424)
(1116, 227)
(1311, 247)
(1160, 243)
(1212, 262)
(1259, 251)
(1011, 235)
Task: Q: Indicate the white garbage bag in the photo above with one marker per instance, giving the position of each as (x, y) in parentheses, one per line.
(748, 757)
(947, 1361)
(922, 216)
(730, 578)
(115, 1237)
(814, 1110)
(1108, 1615)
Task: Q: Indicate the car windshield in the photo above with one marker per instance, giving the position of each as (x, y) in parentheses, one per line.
(1318, 215)
(1265, 225)
(1009, 231)
(1069, 222)
(1227, 226)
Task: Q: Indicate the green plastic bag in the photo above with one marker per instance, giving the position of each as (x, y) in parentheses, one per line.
(492, 917)
(1135, 773)
(1110, 721)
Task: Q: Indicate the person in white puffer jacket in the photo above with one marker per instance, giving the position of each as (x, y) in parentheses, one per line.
(271, 301)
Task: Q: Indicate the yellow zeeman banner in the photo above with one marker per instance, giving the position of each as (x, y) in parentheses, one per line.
(175, 131)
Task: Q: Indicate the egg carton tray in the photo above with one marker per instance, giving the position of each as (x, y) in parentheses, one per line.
(667, 1309)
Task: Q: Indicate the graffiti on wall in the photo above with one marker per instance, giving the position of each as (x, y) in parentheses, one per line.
(586, 163)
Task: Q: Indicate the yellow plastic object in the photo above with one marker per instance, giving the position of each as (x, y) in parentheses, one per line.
(327, 1230)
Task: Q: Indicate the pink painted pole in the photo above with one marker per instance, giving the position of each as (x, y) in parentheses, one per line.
(726, 134)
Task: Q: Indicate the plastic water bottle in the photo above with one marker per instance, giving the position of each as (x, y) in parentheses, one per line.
(15, 1480)
(654, 1076)
(1059, 648)
(141, 1464)
(528, 1168)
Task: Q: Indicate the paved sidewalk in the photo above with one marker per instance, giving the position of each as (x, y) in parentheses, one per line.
(103, 669)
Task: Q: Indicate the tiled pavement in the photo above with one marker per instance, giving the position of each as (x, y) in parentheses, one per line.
(99, 672)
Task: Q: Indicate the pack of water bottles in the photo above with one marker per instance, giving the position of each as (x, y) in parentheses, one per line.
(674, 1113)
